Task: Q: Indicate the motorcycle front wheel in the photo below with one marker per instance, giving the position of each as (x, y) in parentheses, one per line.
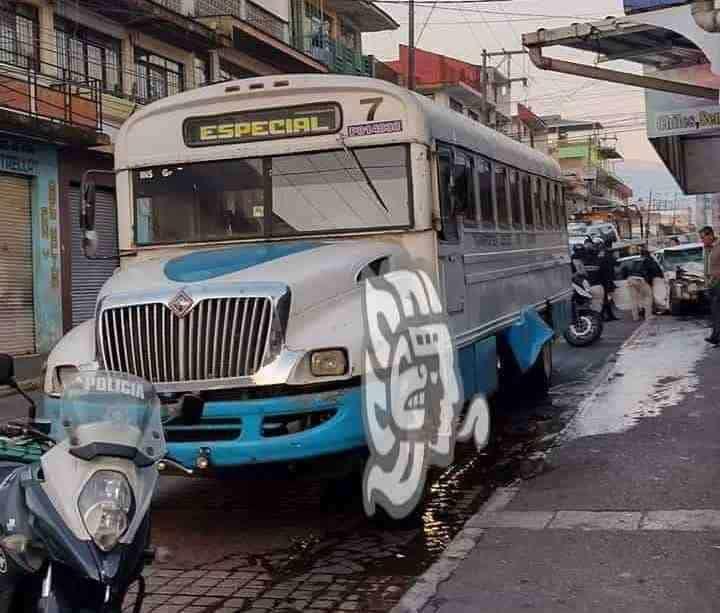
(585, 330)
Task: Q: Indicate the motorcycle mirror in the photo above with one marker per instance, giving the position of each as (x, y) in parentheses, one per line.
(7, 369)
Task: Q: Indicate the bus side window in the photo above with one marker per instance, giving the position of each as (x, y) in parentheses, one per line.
(483, 170)
(501, 196)
(558, 207)
(552, 205)
(528, 202)
(464, 186)
(548, 201)
(447, 210)
(539, 205)
(515, 203)
(563, 209)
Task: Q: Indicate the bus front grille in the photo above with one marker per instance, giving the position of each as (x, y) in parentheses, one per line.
(221, 338)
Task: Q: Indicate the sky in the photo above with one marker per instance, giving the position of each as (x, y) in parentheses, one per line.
(463, 30)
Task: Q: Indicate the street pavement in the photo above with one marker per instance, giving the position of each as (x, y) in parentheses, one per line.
(293, 543)
(625, 515)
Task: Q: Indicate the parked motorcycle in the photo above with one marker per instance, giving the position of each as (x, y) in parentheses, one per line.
(75, 523)
(587, 325)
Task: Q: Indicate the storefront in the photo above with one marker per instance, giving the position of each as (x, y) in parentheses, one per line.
(30, 284)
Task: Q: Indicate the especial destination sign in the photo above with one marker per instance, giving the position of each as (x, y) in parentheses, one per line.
(261, 125)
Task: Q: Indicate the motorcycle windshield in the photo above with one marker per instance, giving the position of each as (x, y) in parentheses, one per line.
(113, 414)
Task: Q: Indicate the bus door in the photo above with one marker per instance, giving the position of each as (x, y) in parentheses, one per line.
(455, 176)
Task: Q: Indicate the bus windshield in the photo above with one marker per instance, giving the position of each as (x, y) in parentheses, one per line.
(334, 191)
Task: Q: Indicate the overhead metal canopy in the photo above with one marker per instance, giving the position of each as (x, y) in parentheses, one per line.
(622, 39)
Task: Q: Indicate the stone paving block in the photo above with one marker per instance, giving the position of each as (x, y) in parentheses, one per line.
(595, 520)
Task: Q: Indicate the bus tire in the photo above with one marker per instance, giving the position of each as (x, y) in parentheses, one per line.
(539, 377)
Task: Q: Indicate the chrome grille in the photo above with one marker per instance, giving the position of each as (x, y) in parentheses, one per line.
(221, 338)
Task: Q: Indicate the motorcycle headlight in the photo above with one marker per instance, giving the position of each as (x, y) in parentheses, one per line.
(105, 504)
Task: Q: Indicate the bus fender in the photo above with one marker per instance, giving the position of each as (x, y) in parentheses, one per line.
(527, 337)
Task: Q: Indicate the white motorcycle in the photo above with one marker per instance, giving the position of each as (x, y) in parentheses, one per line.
(75, 524)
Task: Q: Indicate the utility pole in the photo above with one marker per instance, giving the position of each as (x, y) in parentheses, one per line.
(486, 106)
(507, 55)
(411, 48)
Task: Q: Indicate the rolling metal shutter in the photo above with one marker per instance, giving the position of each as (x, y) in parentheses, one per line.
(17, 311)
(88, 276)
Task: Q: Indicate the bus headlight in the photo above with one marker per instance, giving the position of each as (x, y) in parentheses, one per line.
(104, 505)
(329, 363)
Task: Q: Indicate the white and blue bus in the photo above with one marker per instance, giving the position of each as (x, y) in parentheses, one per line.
(251, 212)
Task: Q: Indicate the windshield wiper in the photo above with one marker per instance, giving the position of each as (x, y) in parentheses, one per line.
(368, 180)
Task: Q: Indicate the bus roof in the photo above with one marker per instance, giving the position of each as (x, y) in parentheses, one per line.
(154, 135)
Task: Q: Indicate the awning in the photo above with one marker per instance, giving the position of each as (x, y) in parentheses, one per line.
(366, 16)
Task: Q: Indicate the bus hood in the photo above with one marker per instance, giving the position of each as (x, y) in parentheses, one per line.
(314, 271)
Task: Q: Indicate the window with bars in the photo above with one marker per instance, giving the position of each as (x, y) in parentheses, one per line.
(201, 67)
(265, 20)
(157, 76)
(84, 54)
(19, 35)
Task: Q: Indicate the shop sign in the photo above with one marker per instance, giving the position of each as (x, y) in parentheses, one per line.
(684, 121)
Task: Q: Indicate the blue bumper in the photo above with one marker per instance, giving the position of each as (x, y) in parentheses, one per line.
(342, 431)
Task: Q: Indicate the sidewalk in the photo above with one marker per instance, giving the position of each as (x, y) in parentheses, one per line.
(28, 373)
(627, 516)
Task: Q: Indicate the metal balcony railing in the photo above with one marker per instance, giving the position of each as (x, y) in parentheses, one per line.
(247, 11)
(45, 96)
(336, 56)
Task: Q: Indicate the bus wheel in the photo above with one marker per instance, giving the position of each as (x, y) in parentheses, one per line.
(539, 377)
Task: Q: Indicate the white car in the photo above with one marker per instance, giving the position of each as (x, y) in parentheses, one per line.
(684, 268)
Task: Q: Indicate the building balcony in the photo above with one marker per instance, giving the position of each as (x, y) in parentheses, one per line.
(59, 109)
(338, 57)
(244, 10)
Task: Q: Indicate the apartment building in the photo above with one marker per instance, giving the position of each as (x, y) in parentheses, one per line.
(587, 159)
(72, 71)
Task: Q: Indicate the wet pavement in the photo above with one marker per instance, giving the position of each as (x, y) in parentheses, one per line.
(302, 544)
(625, 515)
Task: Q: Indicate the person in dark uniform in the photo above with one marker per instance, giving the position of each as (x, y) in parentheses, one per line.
(606, 278)
(651, 270)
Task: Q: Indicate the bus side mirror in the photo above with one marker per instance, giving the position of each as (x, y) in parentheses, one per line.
(87, 220)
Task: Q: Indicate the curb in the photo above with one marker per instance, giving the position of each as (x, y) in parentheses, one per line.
(428, 584)
(29, 385)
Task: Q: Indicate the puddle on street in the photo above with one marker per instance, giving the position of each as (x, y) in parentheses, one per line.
(655, 371)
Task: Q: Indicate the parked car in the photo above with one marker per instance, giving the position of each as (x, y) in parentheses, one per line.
(684, 268)
(606, 232)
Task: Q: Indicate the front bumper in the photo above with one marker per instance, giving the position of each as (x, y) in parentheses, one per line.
(234, 433)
